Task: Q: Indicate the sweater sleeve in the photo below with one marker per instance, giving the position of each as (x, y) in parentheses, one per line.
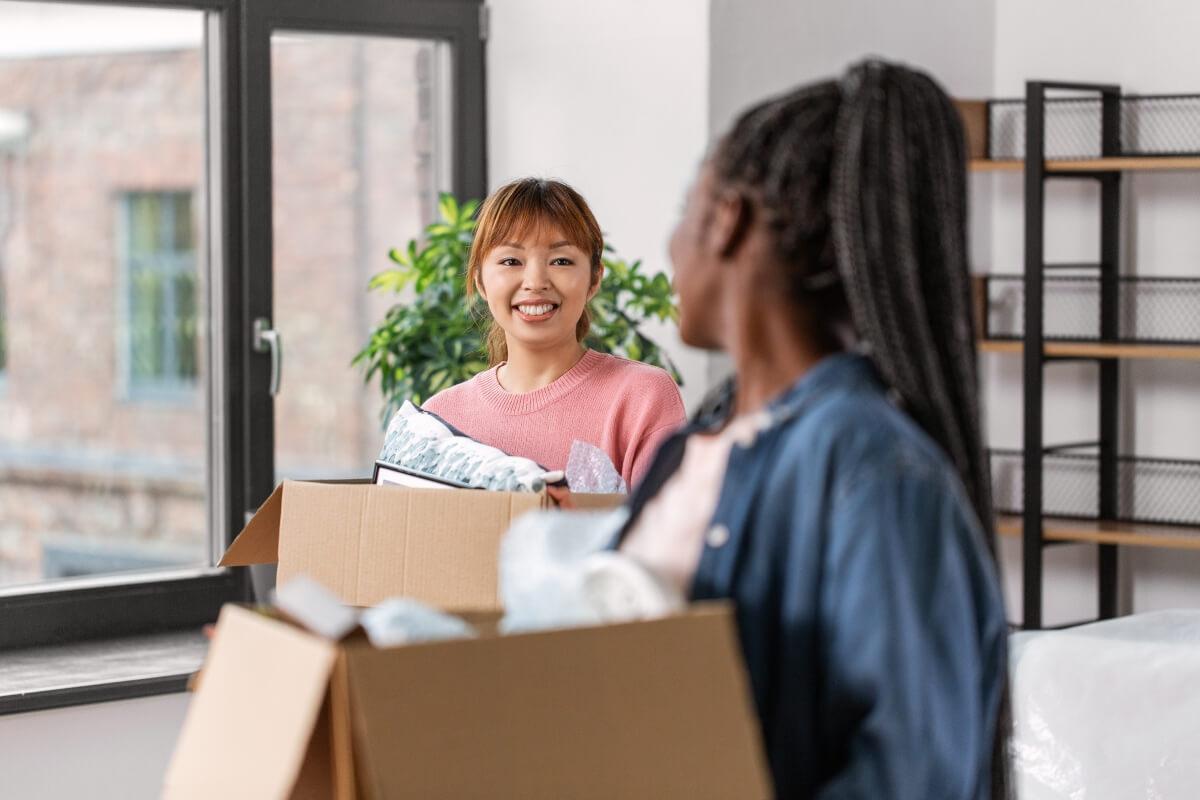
(644, 455)
(666, 415)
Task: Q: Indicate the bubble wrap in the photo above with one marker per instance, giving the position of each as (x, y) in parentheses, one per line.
(589, 469)
(401, 620)
(421, 442)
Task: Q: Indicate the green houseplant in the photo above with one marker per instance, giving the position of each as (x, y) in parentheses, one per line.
(436, 339)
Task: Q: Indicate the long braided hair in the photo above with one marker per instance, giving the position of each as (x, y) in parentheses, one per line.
(863, 182)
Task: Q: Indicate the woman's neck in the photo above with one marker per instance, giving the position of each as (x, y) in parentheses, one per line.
(771, 352)
(529, 370)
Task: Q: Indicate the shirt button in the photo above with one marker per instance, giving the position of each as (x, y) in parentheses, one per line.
(717, 535)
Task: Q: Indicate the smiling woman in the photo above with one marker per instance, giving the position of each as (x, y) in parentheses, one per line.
(536, 261)
(537, 244)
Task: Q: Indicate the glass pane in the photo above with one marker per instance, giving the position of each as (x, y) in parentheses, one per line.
(184, 334)
(145, 223)
(103, 393)
(182, 237)
(162, 265)
(145, 318)
(356, 173)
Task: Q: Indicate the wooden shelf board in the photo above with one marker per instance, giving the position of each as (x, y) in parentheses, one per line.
(1000, 346)
(1124, 164)
(1121, 533)
(1097, 350)
(987, 165)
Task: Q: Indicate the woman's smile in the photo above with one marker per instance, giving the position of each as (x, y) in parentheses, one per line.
(535, 312)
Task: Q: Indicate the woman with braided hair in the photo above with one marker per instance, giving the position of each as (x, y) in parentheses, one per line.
(840, 497)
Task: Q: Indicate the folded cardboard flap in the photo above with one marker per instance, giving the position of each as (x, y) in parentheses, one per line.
(258, 543)
(249, 726)
(367, 543)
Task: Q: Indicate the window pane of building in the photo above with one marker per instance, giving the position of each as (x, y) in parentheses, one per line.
(161, 273)
(104, 423)
(359, 147)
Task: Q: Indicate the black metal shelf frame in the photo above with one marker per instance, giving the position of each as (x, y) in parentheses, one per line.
(1034, 358)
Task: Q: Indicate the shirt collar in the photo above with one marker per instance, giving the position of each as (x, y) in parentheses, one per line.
(839, 371)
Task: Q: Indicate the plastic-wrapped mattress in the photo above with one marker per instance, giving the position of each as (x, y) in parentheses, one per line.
(1108, 710)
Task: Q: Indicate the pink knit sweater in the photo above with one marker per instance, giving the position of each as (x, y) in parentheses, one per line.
(623, 407)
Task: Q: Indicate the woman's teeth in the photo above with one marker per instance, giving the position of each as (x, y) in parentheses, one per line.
(536, 311)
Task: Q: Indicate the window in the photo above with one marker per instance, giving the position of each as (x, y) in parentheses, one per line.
(139, 243)
(103, 294)
(161, 293)
(13, 128)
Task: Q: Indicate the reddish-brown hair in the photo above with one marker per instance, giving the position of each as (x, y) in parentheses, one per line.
(509, 214)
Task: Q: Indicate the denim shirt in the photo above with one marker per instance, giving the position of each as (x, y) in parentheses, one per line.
(868, 608)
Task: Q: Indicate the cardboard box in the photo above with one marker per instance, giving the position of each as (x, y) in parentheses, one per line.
(658, 709)
(367, 543)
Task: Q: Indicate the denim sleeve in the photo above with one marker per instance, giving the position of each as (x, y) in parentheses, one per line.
(905, 710)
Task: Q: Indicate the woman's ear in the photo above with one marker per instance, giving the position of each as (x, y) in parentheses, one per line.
(479, 285)
(730, 223)
(595, 287)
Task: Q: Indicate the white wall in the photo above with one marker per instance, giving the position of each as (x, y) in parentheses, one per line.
(106, 751)
(611, 97)
(761, 47)
(1101, 41)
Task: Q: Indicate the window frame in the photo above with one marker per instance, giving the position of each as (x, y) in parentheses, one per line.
(240, 290)
(458, 22)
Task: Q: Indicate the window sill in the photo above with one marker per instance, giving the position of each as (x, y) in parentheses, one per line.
(38, 678)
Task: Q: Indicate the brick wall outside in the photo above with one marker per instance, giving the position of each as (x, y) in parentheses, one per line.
(88, 467)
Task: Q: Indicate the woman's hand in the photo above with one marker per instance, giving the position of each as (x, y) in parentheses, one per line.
(561, 495)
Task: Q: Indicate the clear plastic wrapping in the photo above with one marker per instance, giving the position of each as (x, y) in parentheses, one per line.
(1108, 710)
(589, 469)
(555, 571)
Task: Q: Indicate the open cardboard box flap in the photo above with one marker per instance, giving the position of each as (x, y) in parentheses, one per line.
(656, 709)
(249, 725)
(367, 543)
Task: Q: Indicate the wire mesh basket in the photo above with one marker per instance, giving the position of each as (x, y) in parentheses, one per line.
(1151, 125)
(1160, 491)
(1150, 309)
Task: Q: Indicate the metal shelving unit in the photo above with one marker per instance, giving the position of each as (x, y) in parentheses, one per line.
(1168, 146)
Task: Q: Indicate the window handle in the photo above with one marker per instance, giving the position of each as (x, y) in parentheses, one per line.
(266, 340)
